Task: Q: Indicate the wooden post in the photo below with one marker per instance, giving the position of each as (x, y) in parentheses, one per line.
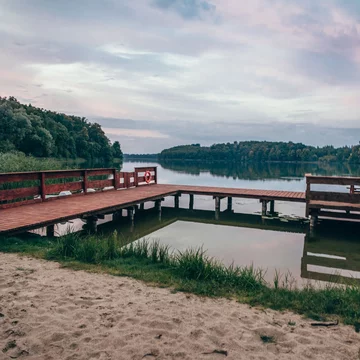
(117, 215)
(191, 201)
(272, 207)
(91, 224)
(176, 201)
(43, 186)
(313, 221)
(116, 179)
(131, 213)
(307, 195)
(85, 182)
(217, 207)
(229, 204)
(127, 179)
(158, 208)
(263, 207)
(155, 174)
(136, 178)
(352, 189)
(50, 231)
(142, 206)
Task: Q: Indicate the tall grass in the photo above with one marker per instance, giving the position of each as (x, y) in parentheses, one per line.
(17, 162)
(192, 264)
(194, 271)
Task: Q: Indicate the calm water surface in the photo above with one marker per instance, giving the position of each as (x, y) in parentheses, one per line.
(332, 250)
(246, 239)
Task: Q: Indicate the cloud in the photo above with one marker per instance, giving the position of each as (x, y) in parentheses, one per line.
(189, 9)
(189, 70)
(135, 133)
(157, 135)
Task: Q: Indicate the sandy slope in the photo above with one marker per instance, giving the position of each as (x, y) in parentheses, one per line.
(54, 313)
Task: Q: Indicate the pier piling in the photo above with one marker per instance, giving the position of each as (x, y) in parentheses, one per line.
(191, 202)
(50, 231)
(229, 204)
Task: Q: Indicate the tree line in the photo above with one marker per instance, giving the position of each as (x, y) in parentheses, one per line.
(262, 151)
(43, 133)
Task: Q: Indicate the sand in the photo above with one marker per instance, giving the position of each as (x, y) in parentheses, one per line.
(48, 312)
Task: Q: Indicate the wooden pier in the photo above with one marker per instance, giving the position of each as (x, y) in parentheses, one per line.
(31, 200)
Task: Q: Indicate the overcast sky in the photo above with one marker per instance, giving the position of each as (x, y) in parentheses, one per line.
(157, 73)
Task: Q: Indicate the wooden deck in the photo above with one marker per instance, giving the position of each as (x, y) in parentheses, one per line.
(32, 216)
(268, 195)
(30, 200)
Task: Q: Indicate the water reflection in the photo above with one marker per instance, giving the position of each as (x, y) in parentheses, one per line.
(261, 171)
(333, 253)
(245, 239)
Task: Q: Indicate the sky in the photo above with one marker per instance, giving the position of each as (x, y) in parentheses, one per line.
(159, 73)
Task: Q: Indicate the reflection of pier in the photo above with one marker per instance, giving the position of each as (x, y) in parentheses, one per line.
(148, 221)
(325, 252)
(332, 254)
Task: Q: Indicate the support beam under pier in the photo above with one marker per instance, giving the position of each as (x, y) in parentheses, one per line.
(217, 207)
(117, 215)
(91, 224)
(263, 207)
(191, 202)
(176, 201)
(158, 207)
(272, 207)
(229, 204)
(50, 231)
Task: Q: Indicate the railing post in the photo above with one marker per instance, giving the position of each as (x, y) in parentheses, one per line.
(155, 174)
(127, 180)
(85, 182)
(307, 195)
(136, 177)
(116, 179)
(42, 186)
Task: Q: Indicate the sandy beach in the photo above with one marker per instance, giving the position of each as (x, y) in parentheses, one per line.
(48, 312)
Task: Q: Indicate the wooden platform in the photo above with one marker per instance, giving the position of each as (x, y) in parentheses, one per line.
(30, 200)
(268, 195)
(333, 204)
(32, 216)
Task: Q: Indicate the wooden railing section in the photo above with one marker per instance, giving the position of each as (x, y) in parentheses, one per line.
(140, 175)
(351, 197)
(30, 187)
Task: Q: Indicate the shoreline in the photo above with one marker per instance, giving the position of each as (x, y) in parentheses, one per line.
(53, 312)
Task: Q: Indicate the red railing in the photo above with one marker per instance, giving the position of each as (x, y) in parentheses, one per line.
(31, 187)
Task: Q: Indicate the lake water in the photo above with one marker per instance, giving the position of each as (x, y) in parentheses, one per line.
(273, 247)
(242, 237)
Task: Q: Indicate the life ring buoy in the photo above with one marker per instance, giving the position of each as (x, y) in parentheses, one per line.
(147, 176)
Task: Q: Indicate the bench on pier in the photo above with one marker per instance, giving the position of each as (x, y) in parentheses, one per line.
(336, 204)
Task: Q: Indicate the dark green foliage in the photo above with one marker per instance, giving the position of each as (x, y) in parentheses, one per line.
(116, 150)
(44, 133)
(259, 151)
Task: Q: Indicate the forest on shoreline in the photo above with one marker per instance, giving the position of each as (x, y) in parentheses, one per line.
(44, 133)
(262, 151)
